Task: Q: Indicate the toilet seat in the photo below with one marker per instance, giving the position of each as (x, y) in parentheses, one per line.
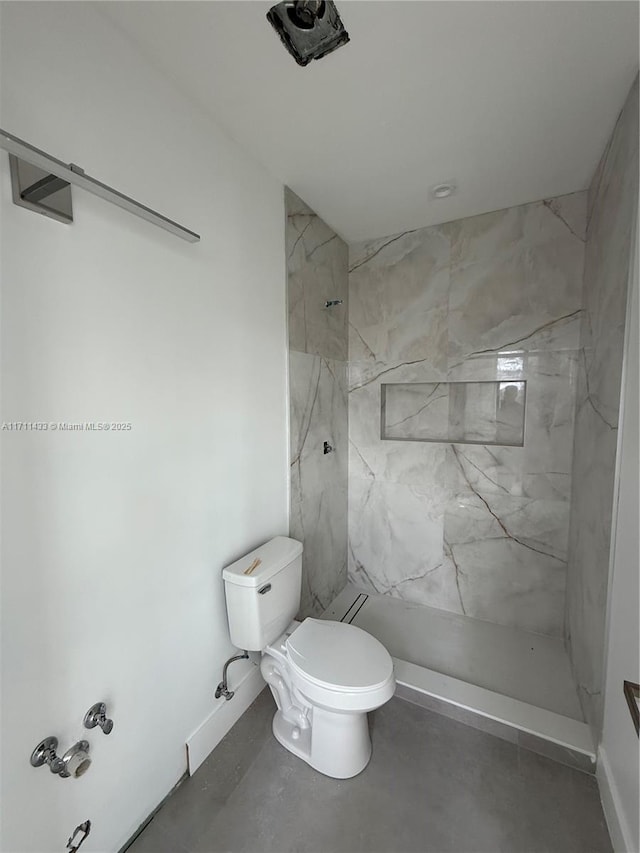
(339, 666)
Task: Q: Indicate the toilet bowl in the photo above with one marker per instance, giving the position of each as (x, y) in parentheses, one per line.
(324, 676)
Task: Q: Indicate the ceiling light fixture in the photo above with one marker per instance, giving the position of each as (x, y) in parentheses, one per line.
(443, 190)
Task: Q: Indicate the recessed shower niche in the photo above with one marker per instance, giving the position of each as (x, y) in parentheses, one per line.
(459, 412)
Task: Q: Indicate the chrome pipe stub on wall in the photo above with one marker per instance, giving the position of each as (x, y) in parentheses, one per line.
(97, 716)
(74, 763)
(76, 760)
(45, 753)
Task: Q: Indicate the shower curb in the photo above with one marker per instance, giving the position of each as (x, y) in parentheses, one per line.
(544, 732)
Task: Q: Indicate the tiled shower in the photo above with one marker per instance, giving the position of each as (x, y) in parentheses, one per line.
(467, 378)
(317, 263)
(611, 223)
(476, 528)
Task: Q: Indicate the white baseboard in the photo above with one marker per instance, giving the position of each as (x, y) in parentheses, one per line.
(247, 682)
(621, 836)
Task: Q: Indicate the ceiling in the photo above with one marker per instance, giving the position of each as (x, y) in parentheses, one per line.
(513, 100)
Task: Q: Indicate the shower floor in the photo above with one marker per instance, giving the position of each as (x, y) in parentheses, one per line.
(529, 667)
(519, 681)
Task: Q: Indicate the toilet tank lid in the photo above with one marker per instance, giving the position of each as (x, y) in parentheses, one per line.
(267, 560)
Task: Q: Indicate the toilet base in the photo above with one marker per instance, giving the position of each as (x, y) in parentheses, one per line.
(335, 744)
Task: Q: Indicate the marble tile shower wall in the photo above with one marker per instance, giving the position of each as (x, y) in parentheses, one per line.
(475, 529)
(612, 208)
(317, 267)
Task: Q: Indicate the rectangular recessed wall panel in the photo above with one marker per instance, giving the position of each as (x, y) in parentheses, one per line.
(458, 412)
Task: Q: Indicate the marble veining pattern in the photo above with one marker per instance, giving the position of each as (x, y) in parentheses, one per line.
(476, 529)
(612, 207)
(317, 273)
(318, 392)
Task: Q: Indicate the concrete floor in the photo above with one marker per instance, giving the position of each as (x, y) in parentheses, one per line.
(433, 784)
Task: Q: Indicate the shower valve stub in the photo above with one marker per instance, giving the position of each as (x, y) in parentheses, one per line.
(75, 762)
(45, 753)
(97, 716)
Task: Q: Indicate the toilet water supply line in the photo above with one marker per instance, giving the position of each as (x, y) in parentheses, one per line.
(222, 689)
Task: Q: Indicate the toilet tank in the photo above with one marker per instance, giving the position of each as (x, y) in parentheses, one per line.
(262, 590)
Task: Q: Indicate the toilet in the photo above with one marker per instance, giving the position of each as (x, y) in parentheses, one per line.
(324, 676)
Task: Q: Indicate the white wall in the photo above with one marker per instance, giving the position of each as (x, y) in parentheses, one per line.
(618, 753)
(113, 543)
